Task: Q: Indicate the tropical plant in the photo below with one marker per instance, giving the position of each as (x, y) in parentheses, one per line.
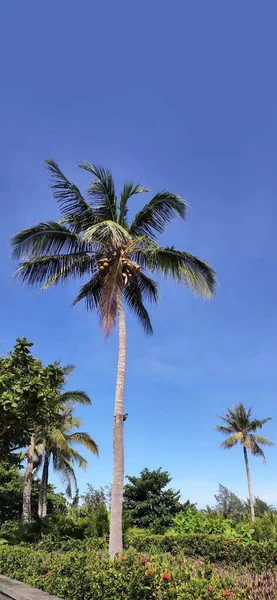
(11, 488)
(57, 442)
(241, 429)
(95, 239)
(27, 401)
(47, 382)
(26, 396)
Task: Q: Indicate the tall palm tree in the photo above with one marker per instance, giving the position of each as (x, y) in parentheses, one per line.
(95, 239)
(58, 441)
(241, 429)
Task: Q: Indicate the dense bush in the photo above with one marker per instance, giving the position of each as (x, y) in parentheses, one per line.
(258, 556)
(91, 576)
(148, 501)
(191, 521)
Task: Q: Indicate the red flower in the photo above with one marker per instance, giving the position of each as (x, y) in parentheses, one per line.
(227, 593)
(144, 560)
(122, 557)
(166, 576)
(149, 572)
(211, 588)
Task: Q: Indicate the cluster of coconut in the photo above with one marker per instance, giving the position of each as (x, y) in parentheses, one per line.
(129, 268)
(103, 263)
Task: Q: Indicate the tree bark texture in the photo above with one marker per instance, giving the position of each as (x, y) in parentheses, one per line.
(27, 490)
(116, 541)
(249, 482)
(42, 503)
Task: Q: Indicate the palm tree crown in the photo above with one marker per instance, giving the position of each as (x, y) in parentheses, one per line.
(95, 239)
(58, 440)
(241, 429)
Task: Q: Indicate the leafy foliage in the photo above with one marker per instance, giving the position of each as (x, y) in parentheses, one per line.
(148, 503)
(27, 396)
(11, 487)
(228, 504)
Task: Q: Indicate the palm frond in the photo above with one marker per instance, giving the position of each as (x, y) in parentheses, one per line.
(81, 437)
(231, 441)
(102, 192)
(49, 270)
(148, 287)
(223, 429)
(59, 442)
(68, 369)
(158, 213)
(227, 419)
(261, 440)
(182, 267)
(129, 190)
(76, 457)
(73, 206)
(258, 423)
(91, 292)
(76, 396)
(71, 423)
(255, 449)
(133, 296)
(66, 472)
(106, 232)
(46, 238)
(101, 293)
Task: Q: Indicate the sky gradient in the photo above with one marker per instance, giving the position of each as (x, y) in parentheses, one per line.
(181, 96)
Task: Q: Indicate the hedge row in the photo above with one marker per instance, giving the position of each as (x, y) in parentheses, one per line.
(259, 556)
(91, 576)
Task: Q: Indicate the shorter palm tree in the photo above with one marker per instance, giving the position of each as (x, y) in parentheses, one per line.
(241, 429)
(57, 442)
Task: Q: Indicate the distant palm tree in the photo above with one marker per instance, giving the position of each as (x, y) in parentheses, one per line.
(95, 239)
(241, 429)
(57, 442)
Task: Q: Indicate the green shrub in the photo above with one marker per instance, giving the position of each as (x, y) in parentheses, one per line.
(258, 556)
(91, 576)
(189, 522)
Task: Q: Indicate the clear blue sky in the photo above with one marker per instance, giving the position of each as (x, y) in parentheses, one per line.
(178, 95)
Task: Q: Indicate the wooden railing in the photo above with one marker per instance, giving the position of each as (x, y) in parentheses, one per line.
(14, 590)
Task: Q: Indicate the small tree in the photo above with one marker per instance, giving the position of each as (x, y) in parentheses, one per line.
(148, 503)
(227, 503)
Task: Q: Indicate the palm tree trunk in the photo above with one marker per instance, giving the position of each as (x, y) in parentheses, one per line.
(42, 502)
(116, 542)
(249, 482)
(27, 490)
